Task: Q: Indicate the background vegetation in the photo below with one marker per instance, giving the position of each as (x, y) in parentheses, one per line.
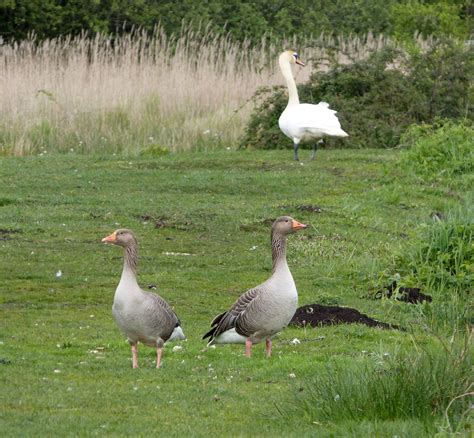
(109, 119)
(379, 97)
(243, 20)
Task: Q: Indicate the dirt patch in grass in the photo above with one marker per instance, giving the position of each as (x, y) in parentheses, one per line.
(309, 208)
(410, 295)
(166, 222)
(5, 233)
(316, 315)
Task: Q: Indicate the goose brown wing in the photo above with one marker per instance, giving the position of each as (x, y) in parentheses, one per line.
(161, 315)
(228, 320)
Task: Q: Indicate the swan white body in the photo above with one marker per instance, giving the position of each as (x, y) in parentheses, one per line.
(303, 121)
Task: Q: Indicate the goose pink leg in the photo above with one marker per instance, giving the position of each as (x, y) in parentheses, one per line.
(134, 355)
(248, 347)
(159, 352)
(268, 347)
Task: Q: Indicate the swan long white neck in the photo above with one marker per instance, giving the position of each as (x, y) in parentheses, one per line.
(285, 67)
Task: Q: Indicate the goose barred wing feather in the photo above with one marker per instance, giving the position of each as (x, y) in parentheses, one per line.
(159, 312)
(234, 317)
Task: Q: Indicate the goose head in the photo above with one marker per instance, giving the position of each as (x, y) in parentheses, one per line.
(291, 57)
(121, 237)
(286, 225)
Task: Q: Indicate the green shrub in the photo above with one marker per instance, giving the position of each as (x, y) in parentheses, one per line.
(439, 150)
(375, 101)
(440, 18)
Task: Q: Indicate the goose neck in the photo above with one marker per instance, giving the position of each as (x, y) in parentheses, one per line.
(130, 261)
(278, 251)
(285, 68)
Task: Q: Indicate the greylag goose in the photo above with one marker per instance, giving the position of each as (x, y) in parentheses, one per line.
(262, 311)
(305, 121)
(142, 316)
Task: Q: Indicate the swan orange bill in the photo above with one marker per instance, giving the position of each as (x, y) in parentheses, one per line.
(111, 238)
(298, 225)
(300, 62)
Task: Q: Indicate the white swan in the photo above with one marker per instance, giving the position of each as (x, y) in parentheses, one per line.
(304, 121)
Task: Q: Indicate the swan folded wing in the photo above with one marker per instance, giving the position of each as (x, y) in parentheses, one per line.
(230, 319)
(317, 119)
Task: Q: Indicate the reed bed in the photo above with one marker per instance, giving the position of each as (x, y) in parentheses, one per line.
(142, 92)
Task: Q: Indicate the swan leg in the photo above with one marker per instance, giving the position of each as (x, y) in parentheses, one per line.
(248, 347)
(295, 148)
(268, 347)
(315, 148)
(134, 354)
(159, 352)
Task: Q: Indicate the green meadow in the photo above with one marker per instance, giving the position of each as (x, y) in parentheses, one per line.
(203, 222)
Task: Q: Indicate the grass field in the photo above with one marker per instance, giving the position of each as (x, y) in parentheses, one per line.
(65, 369)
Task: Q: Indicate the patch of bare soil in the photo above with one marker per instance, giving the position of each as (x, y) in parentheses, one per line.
(309, 208)
(316, 315)
(410, 295)
(5, 233)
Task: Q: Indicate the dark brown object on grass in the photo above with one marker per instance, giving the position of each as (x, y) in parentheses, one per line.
(316, 315)
(410, 295)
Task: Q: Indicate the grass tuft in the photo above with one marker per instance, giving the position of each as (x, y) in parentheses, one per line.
(427, 385)
(441, 261)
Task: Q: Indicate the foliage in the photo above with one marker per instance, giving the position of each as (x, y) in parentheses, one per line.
(243, 20)
(378, 98)
(439, 150)
(440, 18)
(426, 385)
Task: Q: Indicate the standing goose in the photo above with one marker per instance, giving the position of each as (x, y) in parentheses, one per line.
(305, 121)
(265, 310)
(142, 316)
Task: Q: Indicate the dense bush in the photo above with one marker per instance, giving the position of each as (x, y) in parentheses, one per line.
(246, 19)
(375, 100)
(441, 18)
(439, 151)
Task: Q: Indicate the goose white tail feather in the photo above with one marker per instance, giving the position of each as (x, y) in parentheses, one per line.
(177, 335)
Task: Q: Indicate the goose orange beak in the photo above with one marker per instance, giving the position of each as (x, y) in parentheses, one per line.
(298, 225)
(111, 238)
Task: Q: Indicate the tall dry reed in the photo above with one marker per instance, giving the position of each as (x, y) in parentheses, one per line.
(142, 92)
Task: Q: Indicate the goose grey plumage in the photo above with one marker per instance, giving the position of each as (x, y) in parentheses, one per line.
(142, 316)
(262, 311)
